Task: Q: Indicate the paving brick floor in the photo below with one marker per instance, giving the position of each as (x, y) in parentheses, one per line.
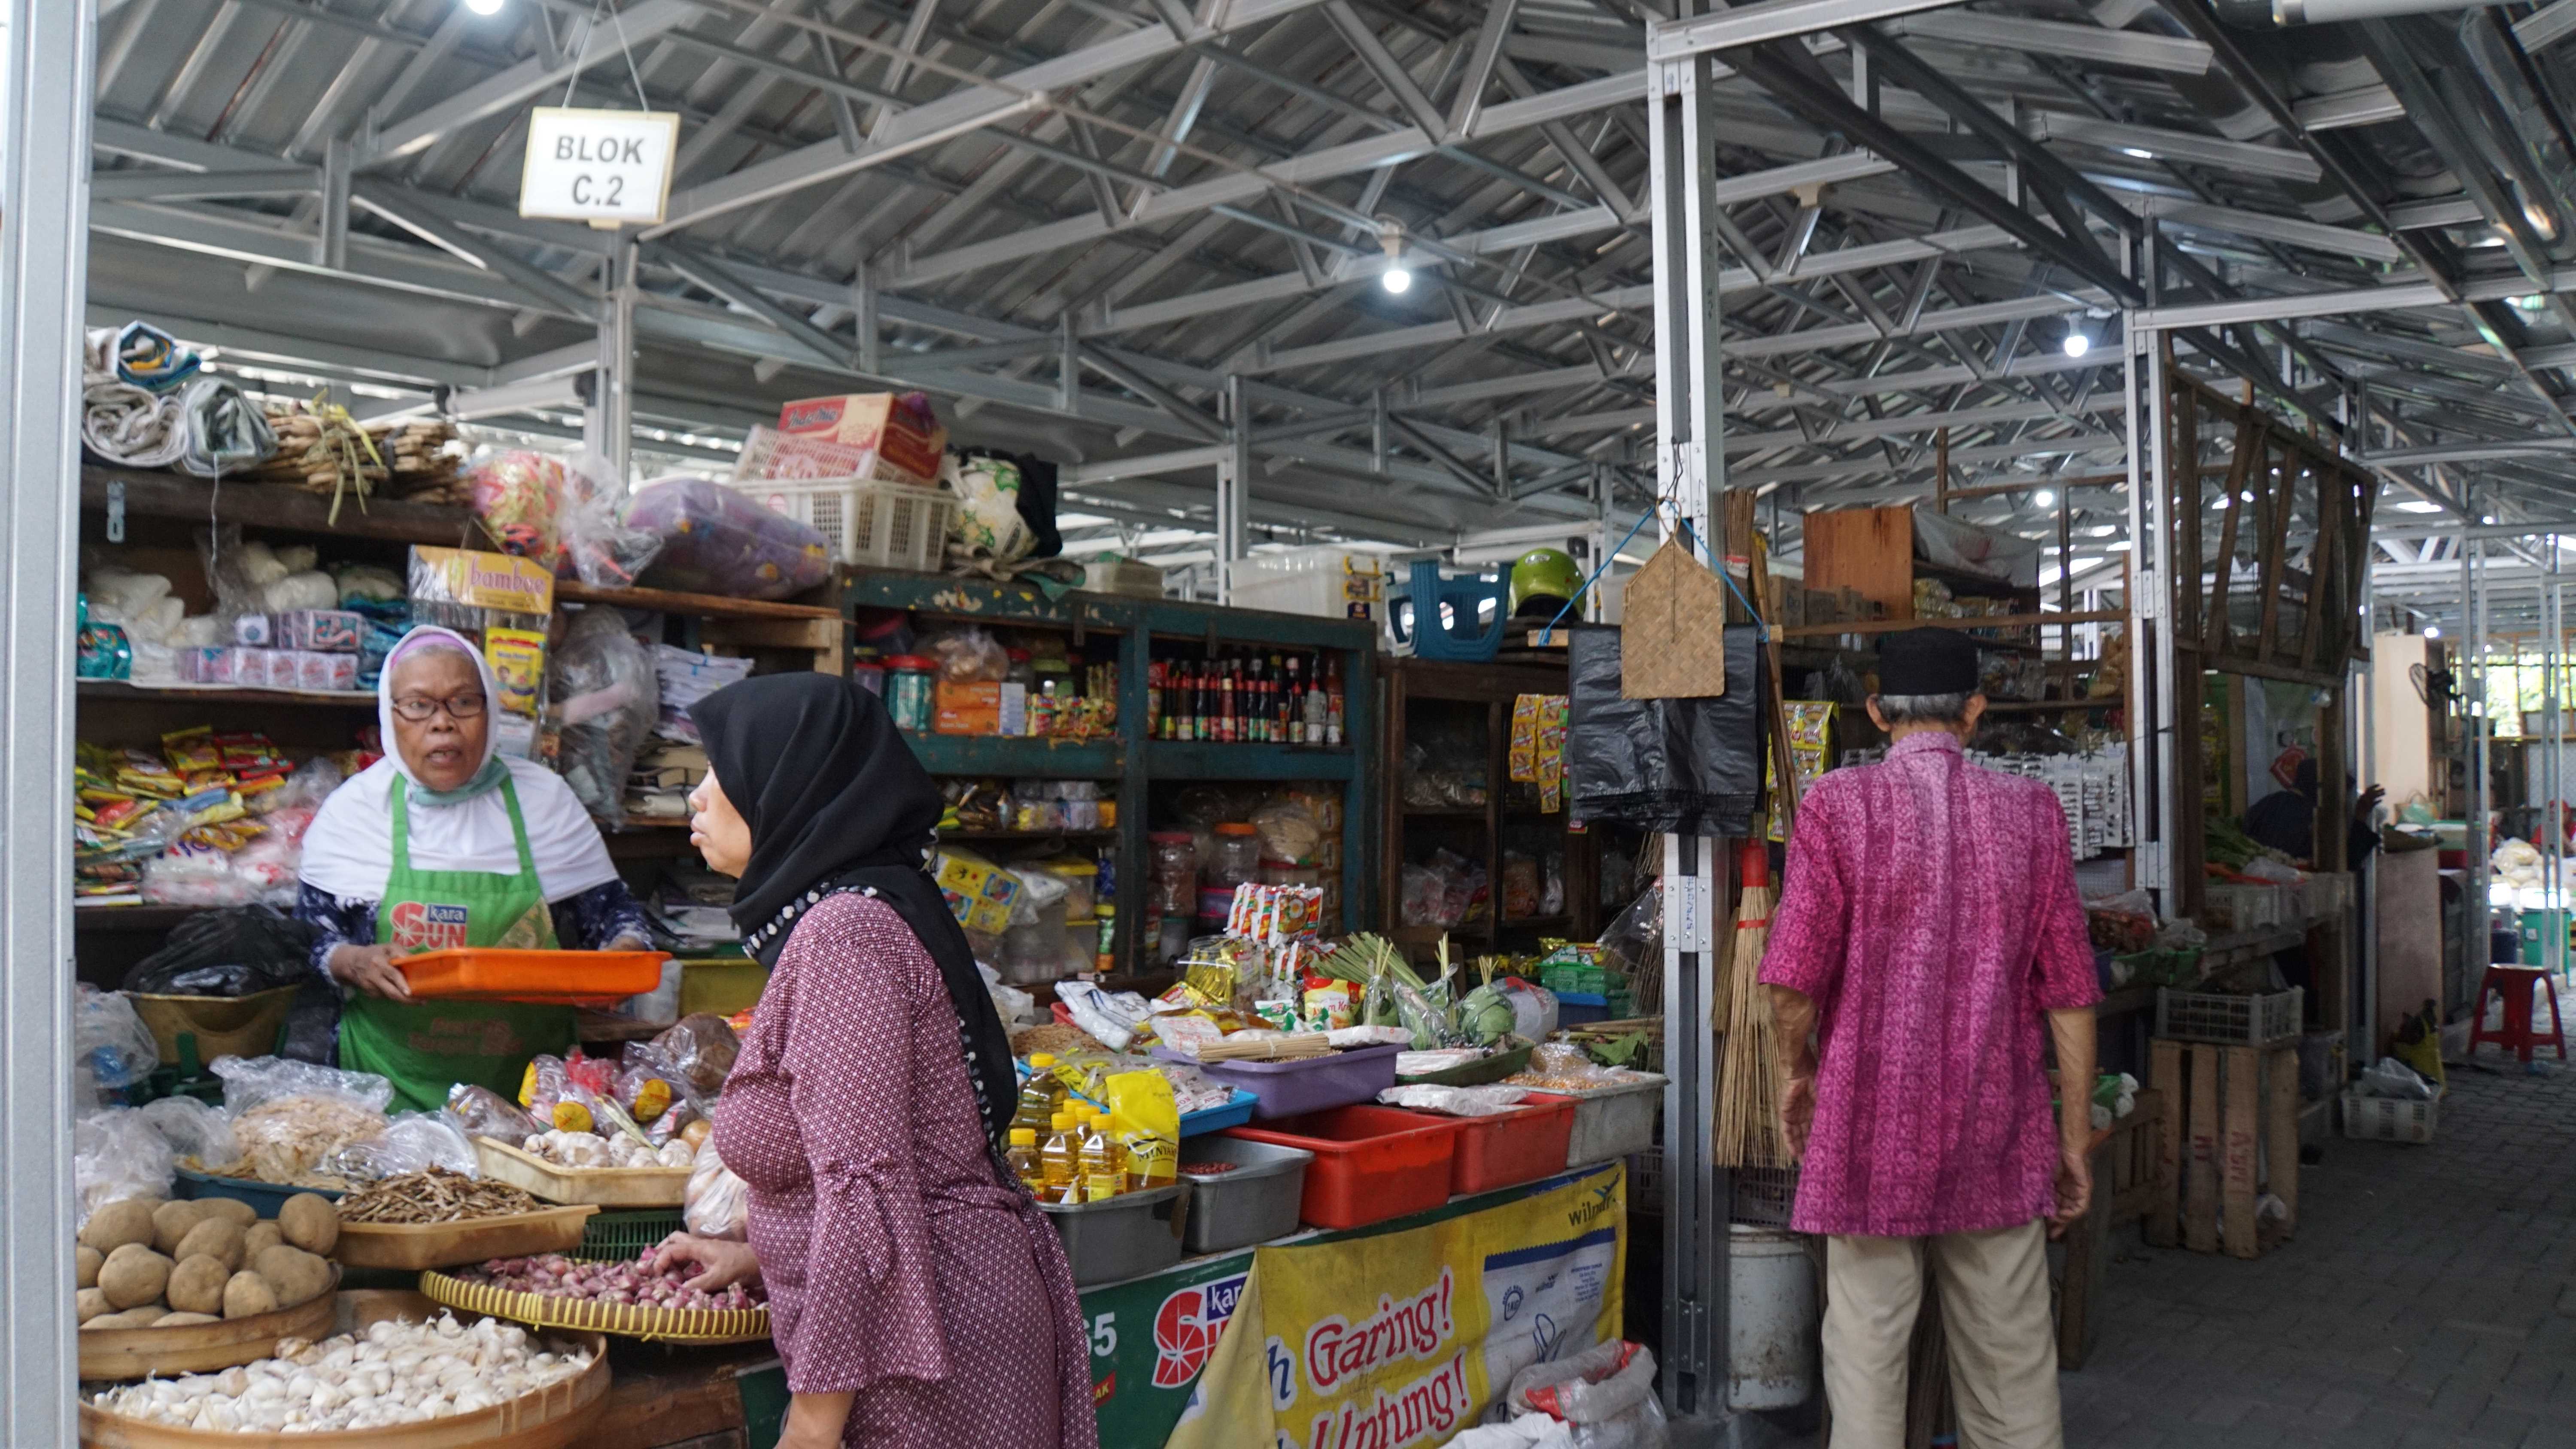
(2429, 1299)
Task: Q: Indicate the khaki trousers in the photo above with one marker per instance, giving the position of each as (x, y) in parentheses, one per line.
(1994, 1306)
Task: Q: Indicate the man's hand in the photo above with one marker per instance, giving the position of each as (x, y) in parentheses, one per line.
(371, 969)
(1797, 1108)
(2369, 802)
(2074, 1188)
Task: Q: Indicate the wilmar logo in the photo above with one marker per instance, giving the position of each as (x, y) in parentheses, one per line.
(423, 926)
(1186, 1329)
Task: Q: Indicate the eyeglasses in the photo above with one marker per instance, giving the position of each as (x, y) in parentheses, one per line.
(418, 709)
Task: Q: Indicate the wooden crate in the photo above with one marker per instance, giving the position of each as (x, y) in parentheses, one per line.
(2127, 1168)
(2229, 1133)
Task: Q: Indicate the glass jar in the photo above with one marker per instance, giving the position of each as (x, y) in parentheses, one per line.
(1172, 882)
(908, 680)
(1237, 857)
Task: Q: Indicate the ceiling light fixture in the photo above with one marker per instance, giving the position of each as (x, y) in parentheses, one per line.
(2140, 152)
(1397, 277)
(2044, 499)
(2432, 631)
(484, 7)
(2077, 344)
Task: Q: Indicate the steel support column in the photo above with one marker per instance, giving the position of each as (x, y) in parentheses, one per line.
(1690, 470)
(44, 264)
(1233, 488)
(607, 423)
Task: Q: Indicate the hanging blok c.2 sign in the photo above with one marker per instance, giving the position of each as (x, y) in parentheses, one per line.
(608, 168)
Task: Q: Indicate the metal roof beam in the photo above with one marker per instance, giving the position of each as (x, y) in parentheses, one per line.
(551, 292)
(140, 185)
(525, 81)
(960, 112)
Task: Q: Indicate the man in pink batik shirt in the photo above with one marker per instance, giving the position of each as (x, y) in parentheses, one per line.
(1927, 926)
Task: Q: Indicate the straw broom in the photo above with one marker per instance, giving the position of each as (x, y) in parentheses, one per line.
(1748, 1098)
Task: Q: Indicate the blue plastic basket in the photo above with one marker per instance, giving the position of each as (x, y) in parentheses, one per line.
(268, 1197)
(1215, 1119)
(1464, 639)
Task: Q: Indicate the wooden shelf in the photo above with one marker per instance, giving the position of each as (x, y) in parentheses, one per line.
(1007, 836)
(1018, 755)
(275, 506)
(1444, 812)
(2053, 706)
(147, 918)
(1989, 621)
(1201, 760)
(667, 601)
(200, 694)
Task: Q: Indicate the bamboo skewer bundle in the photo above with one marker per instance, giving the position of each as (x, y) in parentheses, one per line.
(321, 449)
(425, 458)
(1748, 1094)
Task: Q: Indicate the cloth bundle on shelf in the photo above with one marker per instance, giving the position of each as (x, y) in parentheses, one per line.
(145, 404)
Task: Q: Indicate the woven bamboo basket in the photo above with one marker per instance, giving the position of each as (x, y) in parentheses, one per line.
(410, 1247)
(626, 1320)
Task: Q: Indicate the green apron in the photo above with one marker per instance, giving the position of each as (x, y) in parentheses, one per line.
(425, 1048)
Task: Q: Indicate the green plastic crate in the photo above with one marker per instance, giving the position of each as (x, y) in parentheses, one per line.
(1585, 980)
(620, 1234)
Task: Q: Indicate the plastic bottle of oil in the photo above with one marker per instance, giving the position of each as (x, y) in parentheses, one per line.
(1037, 1098)
(1059, 1163)
(1102, 1175)
(1023, 1158)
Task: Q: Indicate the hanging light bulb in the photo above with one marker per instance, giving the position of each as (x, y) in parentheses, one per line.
(2043, 499)
(1397, 277)
(2432, 631)
(2077, 344)
(484, 7)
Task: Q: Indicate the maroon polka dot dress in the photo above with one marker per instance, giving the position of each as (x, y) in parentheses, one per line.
(899, 1266)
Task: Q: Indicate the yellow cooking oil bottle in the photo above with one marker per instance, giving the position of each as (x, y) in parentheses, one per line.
(1023, 1158)
(1103, 1175)
(1059, 1164)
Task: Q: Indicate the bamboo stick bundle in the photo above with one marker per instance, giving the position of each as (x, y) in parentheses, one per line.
(1748, 1094)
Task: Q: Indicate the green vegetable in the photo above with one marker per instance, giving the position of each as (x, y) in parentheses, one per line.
(1486, 1014)
(1621, 1053)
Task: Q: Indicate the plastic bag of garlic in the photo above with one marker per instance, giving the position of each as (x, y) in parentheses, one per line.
(391, 1373)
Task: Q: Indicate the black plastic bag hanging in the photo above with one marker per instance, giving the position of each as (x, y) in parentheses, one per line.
(1687, 766)
(233, 951)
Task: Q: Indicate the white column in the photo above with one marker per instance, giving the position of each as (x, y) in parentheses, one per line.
(1233, 488)
(44, 268)
(1690, 469)
(608, 423)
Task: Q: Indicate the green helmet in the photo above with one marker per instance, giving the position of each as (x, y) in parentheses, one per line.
(1545, 580)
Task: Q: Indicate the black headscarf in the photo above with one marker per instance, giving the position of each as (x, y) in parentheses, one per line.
(836, 802)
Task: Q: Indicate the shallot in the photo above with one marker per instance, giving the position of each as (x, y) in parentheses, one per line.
(652, 1281)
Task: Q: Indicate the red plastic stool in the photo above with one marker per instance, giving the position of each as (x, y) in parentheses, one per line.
(2513, 984)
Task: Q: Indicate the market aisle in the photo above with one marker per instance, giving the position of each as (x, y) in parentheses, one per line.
(2430, 1299)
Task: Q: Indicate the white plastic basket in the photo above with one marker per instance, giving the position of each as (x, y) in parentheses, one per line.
(871, 524)
(2386, 1119)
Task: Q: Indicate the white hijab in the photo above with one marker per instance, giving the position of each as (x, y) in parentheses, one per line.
(349, 851)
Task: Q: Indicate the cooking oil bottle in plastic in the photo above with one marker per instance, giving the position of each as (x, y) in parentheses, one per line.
(1059, 1163)
(1023, 1158)
(1037, 1099)
(1102, 1177)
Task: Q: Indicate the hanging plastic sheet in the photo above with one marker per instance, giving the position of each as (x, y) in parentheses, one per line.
(1691, 766)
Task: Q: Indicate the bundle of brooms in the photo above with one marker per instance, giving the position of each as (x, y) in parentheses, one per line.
(1748, 1092)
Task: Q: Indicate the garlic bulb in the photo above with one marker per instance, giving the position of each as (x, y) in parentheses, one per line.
(395, 1373)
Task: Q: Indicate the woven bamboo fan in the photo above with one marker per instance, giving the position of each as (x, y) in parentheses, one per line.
(626, 1320)
(1673, 629)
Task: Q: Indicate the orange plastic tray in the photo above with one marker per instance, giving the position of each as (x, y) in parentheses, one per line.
(552, 977)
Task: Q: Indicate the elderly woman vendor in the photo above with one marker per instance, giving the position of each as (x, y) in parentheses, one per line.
(445, 843)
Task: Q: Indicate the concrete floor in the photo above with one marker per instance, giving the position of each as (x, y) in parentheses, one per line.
(2429, 1299)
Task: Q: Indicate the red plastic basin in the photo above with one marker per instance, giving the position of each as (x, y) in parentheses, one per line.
(1371, 1163)
(1522, 1145)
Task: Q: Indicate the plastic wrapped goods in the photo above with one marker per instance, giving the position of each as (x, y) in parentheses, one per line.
(606, 697)
(701, 1048)
(110, 1039)
(716, 540)
(715, 1204)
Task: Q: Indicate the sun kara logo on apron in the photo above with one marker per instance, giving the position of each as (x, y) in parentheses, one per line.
(424, 926)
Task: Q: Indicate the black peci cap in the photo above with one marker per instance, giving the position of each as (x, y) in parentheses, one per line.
(1927, 661)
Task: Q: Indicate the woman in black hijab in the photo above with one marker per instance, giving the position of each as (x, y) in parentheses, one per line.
(916, 1293)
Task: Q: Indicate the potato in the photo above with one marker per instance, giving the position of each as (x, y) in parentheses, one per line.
(258, 1236)
(126, 1220)
(90, 1303)
(197, 1284)
(309, 1221)
(86, 1261)
(175, 1320)
(219, 1238)
(171, 1222)
(133, 1275)
(294, 1274)
(247, 1294)
(231, 1207)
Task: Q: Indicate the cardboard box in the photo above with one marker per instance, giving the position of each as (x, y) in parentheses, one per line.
(967, 708)
(979, 893)
(905, 444)
(497, 581)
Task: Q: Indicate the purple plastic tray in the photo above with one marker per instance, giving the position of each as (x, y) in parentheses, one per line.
(1285, 1089)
